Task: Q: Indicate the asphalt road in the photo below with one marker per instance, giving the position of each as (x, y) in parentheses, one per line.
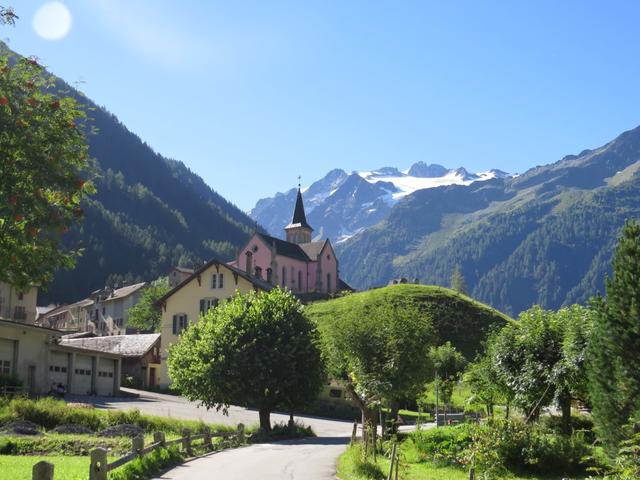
(307, 459)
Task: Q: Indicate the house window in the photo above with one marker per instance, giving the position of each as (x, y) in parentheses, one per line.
(20, 313)
(220, 280)
(180, 323)
(335, 393)
(5, 367)
(207, 303)
(20, 296)
(214, 280)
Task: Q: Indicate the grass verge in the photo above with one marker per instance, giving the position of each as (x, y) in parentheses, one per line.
(65, 468)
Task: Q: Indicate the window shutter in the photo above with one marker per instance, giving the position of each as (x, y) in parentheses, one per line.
(175, 324)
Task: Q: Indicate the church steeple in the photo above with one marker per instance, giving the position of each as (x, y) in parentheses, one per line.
(299, 230)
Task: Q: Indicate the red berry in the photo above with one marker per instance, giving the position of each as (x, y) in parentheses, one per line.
(4, 100)
(19, 218)
(13, 200)
(81, 183)
(55, 105)
(31, 101)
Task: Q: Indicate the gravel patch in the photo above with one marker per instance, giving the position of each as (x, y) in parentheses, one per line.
(21, 427)
(124, 430)
(72, 428)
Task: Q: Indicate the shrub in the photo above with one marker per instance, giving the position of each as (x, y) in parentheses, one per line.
(443, 445)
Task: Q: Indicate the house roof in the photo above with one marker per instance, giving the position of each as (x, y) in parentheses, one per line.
(284, 248)
(342, 285)
(299, 218)
(255, 281)
(124, 345)
(124, 291)
(29, 326)
(184, 270)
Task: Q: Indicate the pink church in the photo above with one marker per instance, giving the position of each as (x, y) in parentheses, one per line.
(301, 265)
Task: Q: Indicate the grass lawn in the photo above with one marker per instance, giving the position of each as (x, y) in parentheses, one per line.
(16, 467)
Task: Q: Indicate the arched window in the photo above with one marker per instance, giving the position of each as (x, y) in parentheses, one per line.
(300, 286)
(284, 276)
(293, 278)
(258, 272)
(269, 275)
(328, 282)
(249, 263)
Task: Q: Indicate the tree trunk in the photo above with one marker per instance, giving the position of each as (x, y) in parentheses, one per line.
(392, 422)
(369, 427)
(265, 419)
(506, 415)
(565, 406)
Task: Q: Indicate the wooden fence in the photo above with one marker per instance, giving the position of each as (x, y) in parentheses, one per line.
(99, 467)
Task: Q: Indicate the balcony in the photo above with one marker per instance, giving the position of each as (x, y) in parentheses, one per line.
(18, 314)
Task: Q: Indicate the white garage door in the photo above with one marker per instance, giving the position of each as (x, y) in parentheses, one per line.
(6, 356)
(104, 382)
(82, 375)
(58, 369)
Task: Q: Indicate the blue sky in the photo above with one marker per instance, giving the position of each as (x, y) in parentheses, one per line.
(251, 94)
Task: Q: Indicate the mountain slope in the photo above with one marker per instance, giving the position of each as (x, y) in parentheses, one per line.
(544, 237)
(341, 205)
(149, 213)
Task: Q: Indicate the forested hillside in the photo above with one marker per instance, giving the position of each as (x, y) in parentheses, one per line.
(544, 237)
(149, 214)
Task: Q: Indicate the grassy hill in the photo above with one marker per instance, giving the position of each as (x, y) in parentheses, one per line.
(457, 318)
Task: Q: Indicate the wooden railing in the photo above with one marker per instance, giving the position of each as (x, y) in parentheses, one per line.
(100, 467)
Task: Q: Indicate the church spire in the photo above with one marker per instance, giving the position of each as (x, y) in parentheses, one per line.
(299, 217)
(299, 230)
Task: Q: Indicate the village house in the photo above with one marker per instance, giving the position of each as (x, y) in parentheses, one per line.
(104, 312)
(140, 355)
(213, 282)
(18, 305)
(298, 263)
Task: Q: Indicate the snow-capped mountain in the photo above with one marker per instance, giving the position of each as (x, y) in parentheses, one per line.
(340, 204)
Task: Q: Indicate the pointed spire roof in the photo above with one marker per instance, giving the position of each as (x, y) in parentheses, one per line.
(299, 217)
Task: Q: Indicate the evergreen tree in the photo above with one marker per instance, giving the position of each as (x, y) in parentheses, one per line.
(457, 281)
(614, 363)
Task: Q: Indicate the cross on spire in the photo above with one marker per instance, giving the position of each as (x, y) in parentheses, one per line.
(299, 180)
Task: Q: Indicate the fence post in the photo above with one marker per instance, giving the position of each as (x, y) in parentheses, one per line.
(354, 432)
(42, 471)
(158, 437)
(393, 462)
(137, 444)
(98, 467)
(186, 440)
(472, 473)
(207, 438)
(240, 433)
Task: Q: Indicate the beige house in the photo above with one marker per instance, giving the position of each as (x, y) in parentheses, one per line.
(203, 289)
(18, 305)
(35, 356)
(73, 317)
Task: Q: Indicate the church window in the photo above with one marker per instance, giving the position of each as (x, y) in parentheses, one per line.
(293, 277)
(269, 275)
(299, 279)
(258, 272)
(249, 263)
(328, 282)
(284, 276)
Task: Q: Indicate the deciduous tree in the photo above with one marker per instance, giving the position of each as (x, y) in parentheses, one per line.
(144, 315)
(42, 154)
(257, 349)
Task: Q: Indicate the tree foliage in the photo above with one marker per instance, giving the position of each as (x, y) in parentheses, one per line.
(458, 282)
(43, 150)
(144, 315)
(614, 363)
(380, 352)
(257, 349)
(448, 365)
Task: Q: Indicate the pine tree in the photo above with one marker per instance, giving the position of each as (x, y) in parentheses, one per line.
(614, 362)
(457, 281)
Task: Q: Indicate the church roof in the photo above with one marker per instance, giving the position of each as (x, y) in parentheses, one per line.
(313, 249)
(284, 248)
(299, 218)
